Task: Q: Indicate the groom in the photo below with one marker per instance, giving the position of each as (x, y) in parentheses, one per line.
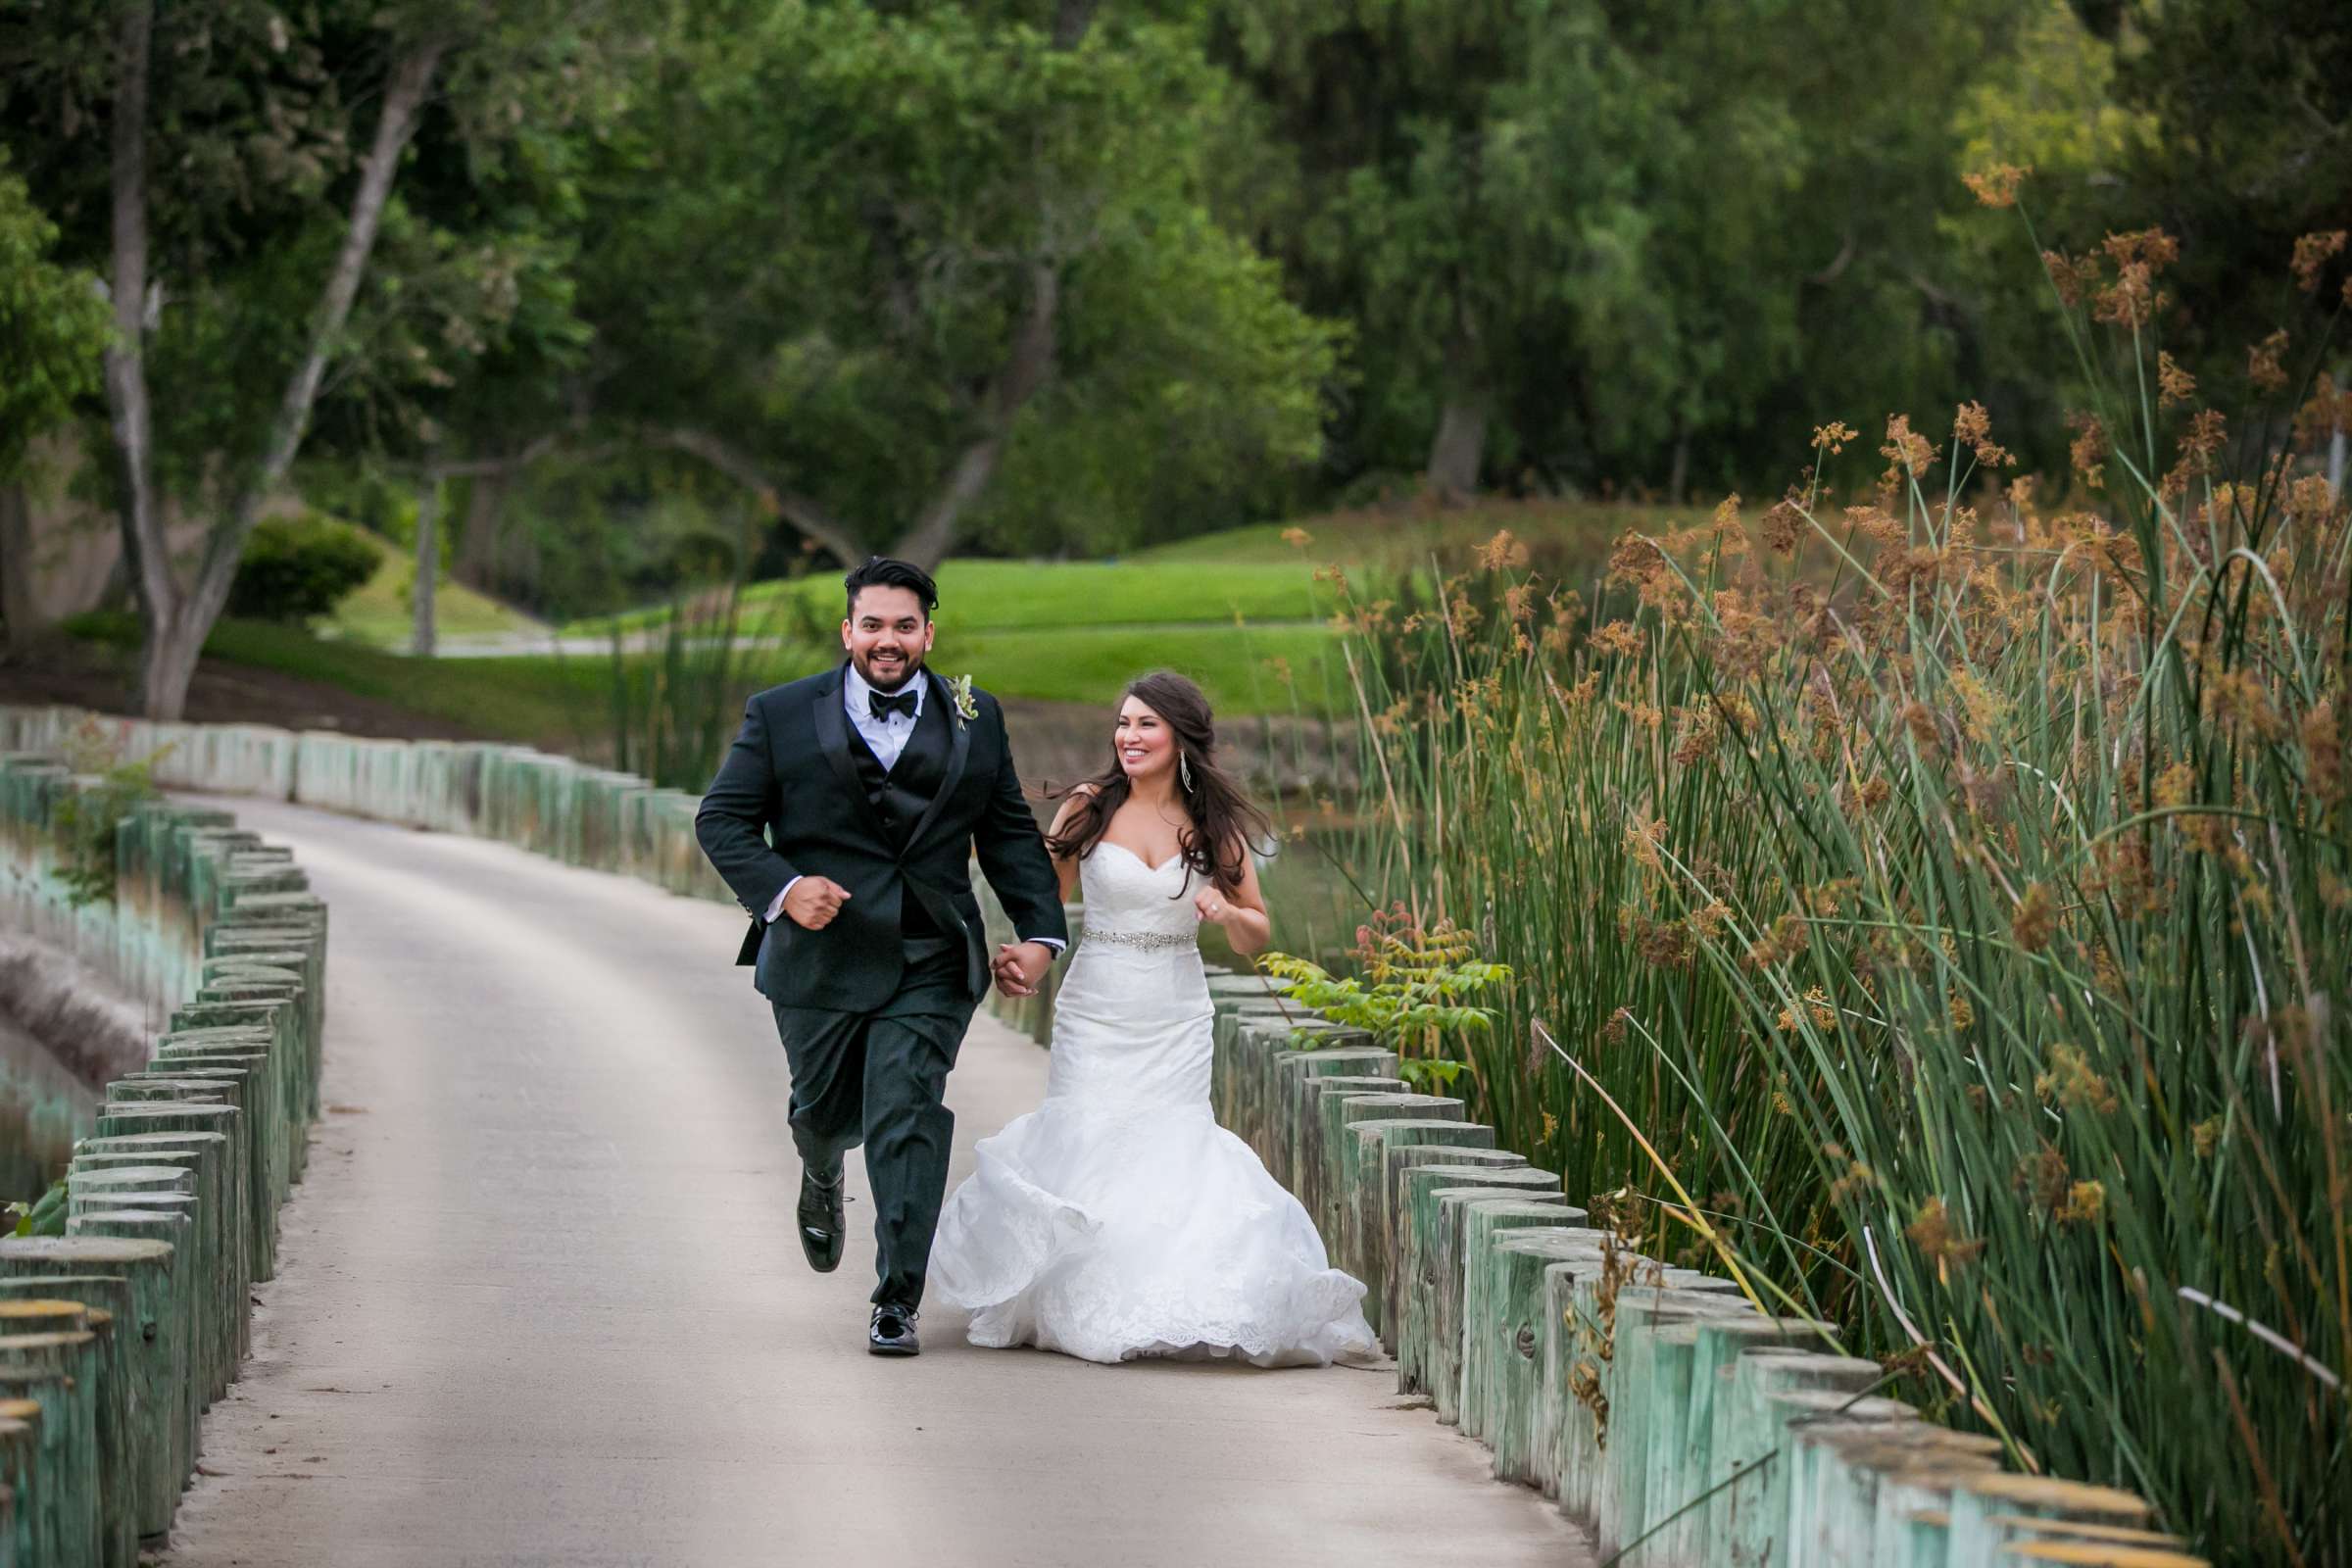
(875, 783)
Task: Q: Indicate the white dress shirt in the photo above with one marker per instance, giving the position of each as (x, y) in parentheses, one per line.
(886, 737)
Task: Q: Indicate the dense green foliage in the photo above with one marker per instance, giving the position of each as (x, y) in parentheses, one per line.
(298, 568)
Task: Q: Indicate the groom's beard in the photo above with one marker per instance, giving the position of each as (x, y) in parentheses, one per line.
(908, 670)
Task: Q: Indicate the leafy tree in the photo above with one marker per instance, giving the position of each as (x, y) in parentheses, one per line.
(942, 270)
(234, 277)
(52, 329)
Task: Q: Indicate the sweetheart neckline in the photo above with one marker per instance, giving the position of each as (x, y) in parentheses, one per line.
(1140, 860)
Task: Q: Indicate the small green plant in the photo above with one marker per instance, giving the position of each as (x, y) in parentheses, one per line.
(46, 1215)
(88, 818)
(1412, 994)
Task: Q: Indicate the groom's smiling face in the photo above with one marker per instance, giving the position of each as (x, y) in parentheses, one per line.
(886, 636)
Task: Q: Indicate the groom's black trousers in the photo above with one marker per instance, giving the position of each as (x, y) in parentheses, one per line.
(879, 1078)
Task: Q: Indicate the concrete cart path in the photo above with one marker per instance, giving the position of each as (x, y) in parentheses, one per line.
(540, 1299)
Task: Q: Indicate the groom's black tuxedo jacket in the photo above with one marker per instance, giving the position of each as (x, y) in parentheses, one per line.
(901, 844)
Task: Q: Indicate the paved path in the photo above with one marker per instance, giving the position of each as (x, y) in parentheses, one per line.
(539, 1301)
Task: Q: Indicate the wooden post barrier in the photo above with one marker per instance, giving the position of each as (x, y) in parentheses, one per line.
(1335, 1173)
(256, 1242)
(1303, 1164)
(124, 1397)
(1514, 1325)
(1619, 1311)
(1396, 1159)
(1497, 1303)
(19, 1474)
(1687, 1460)
(60, 1371)
(210, 1290)
(1415, 1258)
(190, 1300)
(21, 1312)
(1281, 1094)
(150, 1330)
(1362, 1240)
(1461, 1220)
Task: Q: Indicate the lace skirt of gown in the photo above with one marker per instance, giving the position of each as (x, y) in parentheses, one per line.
(1117, 1219)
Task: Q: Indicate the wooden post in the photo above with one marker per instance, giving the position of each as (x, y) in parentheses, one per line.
(1364, 1160)
(19, 1443)
(1742, 1515)
(59, 1370)
(1306, 1159)
(1283, 1097)
(1523, 1409)
(1682, 1460)
(1498, 1330)
(1978, 1500)
(150, 1333)
(1396, 1159)
(1809, 1411)
(1416, 1266)
(1462, 1221)
(1334, 1174)
(124, 1395)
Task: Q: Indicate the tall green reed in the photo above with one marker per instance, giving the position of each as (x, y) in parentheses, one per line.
(1955, 895)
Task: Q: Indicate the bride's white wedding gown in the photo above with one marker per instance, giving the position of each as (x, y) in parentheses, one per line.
(1118, 1220)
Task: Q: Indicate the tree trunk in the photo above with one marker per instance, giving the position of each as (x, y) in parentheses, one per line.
(176, 623)
(20, 573)
(476, 561)
(1461, 439)
(429, 561)
(1678, 478)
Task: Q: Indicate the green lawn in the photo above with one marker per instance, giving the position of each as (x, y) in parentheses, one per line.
(380, 615)
(1017, 595)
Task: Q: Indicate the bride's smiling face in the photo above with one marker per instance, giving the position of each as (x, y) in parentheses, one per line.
(1144, 743)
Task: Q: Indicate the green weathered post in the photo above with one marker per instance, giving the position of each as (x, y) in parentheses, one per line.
(59, 1370)
(1396, 1159)
(1742, 1514)
(1284, 1097)
(1977, 1500)
(1362, 1239)
(123, 1394)
(25, 1313)
(1497, 1322)
(1517, 1328)
(1334, 1176)
(151, 1332)
(1463, 1220)
(1416, 1258)
(19, 1459)
(1840, 1469)
(1302, 1168)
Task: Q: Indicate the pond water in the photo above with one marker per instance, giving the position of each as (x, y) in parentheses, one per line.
(43, 1108)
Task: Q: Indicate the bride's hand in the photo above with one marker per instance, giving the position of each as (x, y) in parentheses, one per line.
(1214, 906)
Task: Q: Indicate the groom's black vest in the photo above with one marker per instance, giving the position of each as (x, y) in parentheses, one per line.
(901, 796)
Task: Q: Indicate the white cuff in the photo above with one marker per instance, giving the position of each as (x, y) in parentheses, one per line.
(1055, 942)
(777, 908)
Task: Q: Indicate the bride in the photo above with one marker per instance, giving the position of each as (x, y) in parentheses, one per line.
(1118, 1220)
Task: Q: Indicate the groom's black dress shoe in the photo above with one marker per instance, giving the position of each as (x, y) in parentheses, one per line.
(893, 1332)
(822, 1223)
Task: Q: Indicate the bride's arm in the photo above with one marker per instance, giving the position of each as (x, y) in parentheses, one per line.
(1065, 867)
(1242, 912)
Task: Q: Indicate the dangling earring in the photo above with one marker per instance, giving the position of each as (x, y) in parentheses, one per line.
(1184, 770)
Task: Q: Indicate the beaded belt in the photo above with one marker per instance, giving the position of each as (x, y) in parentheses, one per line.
(1148, 941)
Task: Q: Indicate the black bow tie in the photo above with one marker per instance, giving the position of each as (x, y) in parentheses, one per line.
(884, 704)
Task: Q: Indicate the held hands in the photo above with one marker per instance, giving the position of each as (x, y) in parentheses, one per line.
(1019, 966)
(815, 901)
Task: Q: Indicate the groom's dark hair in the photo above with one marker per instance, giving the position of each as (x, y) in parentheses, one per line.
(880, 571)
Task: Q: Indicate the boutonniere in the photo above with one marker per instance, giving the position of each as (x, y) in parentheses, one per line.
(966, 710)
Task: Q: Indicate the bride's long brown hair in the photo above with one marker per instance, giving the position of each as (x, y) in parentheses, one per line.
(1225, 823)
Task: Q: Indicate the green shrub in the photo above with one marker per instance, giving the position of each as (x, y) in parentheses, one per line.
(298, 568)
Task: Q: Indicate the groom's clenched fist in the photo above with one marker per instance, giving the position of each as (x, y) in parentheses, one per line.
(814, 900)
